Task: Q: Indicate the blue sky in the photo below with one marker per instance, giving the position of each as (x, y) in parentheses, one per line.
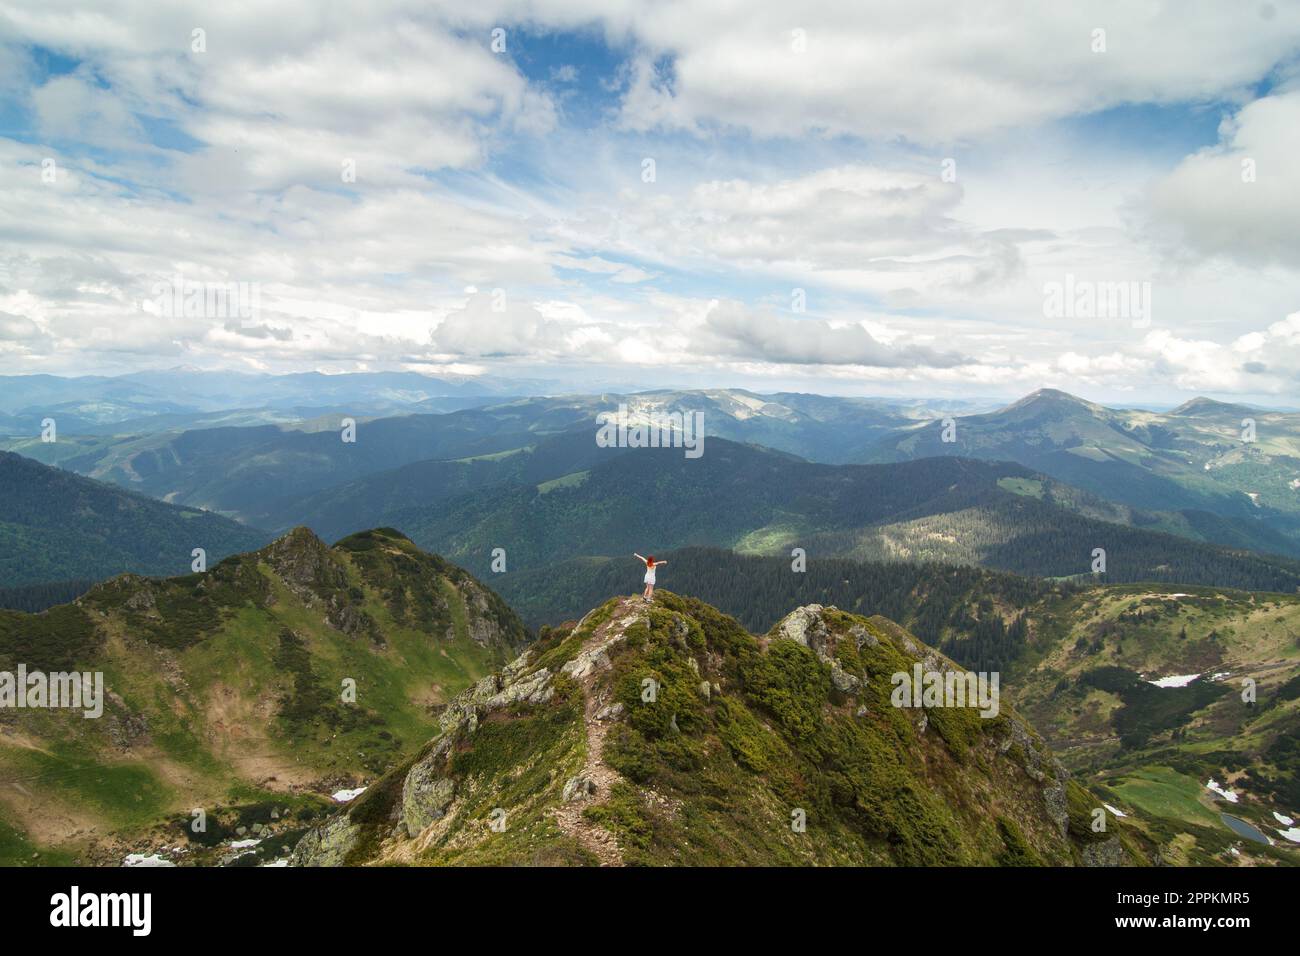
(855, 199)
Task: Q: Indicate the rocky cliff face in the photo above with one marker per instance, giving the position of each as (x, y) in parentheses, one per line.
(665, 734)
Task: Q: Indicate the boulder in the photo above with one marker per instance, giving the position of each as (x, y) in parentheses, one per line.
(578, 788)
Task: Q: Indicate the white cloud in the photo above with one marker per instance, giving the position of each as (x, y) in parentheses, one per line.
(932, 73)
(731, 331)
(225, 166)
(1239, 199)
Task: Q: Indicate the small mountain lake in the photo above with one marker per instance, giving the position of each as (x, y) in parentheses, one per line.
(1242, 828)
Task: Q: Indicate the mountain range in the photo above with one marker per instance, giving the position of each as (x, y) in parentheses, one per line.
(220, 699)
(1189, 471)
(1123, 682)
(757, 501)
(1203, 457)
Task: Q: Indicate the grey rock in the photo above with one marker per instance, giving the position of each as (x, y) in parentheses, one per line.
(592, 659)
(862, 637)
(843, 680)
(610, 711)
(1105, 853)
(1058, 806)
(426, 794)
(327, 845)
(534, 689)
(804, 625)
(578, 788)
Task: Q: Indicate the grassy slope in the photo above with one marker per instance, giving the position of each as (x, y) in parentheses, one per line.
(214, 705)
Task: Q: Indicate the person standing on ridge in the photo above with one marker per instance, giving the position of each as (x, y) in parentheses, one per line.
(650, 565)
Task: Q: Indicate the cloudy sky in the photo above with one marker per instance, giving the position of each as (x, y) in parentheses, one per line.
(842, 197)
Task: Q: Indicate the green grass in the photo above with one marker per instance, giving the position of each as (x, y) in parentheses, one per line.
(1162, 792)
(566, 481)
(125, 794)
(240, 646)
(1029, 487)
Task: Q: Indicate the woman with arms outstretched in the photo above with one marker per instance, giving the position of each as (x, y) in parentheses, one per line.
(650, 565)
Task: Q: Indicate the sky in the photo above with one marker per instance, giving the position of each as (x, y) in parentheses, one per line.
(920, 199)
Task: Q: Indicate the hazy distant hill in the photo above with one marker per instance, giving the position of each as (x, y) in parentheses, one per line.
(1191, 458)
(57, 526)
(226, 462)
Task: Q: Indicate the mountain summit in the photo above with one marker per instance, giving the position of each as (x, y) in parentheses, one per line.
(665, 734)
(1052, 400)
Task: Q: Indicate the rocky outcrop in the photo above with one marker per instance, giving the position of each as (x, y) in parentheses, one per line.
(1106, 853)
(304, 562)
(804, 625)
(327, 845)
(427, 791)
(579, 787)
(495, 692)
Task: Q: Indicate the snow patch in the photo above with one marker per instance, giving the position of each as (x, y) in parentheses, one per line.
(1178, 680)
(343, 796)
(1229, 795)
(1283, 818)
(139, 859)
(1119, 813)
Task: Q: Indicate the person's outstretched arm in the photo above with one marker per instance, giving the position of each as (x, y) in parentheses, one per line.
(657, 563)
(635, 555)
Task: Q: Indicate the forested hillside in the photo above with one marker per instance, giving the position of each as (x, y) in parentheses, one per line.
(57, 526)
(971, 607)
(1234, 461)
(756, 501)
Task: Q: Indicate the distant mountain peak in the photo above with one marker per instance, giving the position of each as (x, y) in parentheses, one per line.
(1200, 405)
(1043, 396)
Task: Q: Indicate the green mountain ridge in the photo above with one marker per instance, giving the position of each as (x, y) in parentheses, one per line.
(227, 691)
(665, 734)
(1075, 659)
